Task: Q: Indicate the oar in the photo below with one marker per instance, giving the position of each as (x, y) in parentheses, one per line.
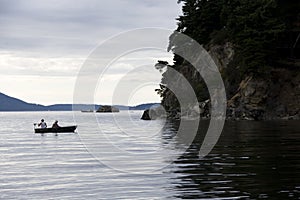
(34, 124)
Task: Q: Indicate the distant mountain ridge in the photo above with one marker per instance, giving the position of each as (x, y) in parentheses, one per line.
(144, 106)
(8, 103)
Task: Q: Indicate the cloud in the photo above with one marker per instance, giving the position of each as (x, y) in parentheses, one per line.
(17, 64)
(37, 89)
(77, 25)
(53, 38)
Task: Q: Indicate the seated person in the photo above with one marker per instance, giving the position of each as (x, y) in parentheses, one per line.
(55, 124)
(42, 124)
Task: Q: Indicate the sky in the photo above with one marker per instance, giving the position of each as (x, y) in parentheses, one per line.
(45, 44)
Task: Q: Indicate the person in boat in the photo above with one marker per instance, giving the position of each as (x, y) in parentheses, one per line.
(42, 124)
(55, 124)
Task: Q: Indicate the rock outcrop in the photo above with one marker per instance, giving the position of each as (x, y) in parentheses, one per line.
(154, 113)
(108, 109)
(275, 97)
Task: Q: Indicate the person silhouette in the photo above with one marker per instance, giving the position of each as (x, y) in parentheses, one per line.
(55, 124)
(42, 124)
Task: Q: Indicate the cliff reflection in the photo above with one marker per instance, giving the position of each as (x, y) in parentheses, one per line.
(252, 160)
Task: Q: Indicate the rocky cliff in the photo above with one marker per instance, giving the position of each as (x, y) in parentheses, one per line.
(275, 95)
(257, 49)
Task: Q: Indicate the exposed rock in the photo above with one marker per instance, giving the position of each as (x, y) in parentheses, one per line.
(275, 97)
(108, 109)
(222, 54)
(157, 112)
(202, 109)
(146, 115)
(205, 109)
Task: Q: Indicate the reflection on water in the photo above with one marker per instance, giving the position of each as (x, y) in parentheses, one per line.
(252, 160)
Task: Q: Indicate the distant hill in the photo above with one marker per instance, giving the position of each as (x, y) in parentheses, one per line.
(144, 106)
(138, 107)
(8, 103)
(70, 107)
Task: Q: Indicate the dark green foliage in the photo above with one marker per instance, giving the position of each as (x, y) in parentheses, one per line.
(253, 26)
(220, 36)
(201, 91)
(289, 12)
(200, 18)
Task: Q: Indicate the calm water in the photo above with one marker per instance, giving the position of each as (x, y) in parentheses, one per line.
(134, 159)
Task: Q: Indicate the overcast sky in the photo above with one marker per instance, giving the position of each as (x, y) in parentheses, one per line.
(43, 45)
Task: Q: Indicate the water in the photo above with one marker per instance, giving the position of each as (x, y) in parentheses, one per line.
(252, 160)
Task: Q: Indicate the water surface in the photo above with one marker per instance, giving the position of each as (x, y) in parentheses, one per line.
(252, 160)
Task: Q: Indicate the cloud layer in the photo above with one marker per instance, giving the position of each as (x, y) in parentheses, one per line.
(52, 39)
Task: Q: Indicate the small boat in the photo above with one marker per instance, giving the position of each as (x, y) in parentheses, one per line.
(63, 129)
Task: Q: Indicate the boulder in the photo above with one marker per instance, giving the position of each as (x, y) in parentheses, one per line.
(154, 113)
(146, 115)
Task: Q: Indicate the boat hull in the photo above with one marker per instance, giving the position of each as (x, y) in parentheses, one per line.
(64, 129)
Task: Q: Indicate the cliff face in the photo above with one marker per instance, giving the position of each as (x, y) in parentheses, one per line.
(275, 95)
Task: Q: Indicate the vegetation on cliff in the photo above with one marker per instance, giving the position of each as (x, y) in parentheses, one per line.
(263, 34)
